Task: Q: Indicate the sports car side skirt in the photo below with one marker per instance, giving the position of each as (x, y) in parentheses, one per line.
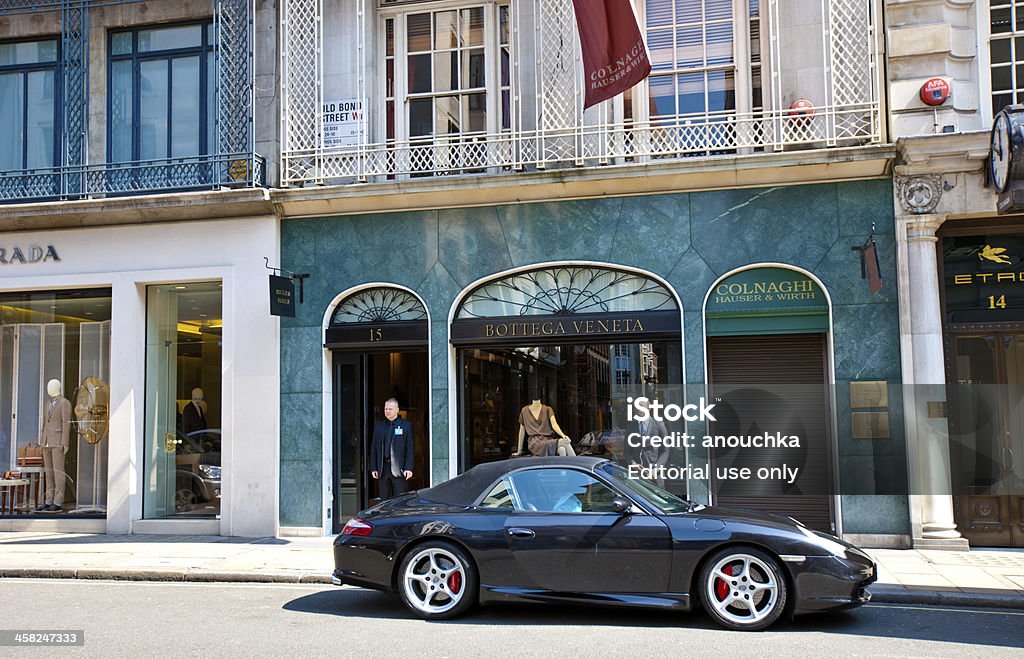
(678, 601)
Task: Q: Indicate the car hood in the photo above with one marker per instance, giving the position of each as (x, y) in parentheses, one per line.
(747, 515)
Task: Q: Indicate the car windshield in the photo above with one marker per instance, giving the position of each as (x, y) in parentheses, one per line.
(663, 500)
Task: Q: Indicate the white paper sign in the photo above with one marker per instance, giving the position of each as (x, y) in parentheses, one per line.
(342, 122)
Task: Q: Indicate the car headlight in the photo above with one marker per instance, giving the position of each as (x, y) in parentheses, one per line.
(828, 544)
(210, 471)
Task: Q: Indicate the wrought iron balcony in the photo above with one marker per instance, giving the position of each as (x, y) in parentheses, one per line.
(801, 76)
(682, 136)
(132, 178)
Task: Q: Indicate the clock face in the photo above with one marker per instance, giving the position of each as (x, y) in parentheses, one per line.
(999, 152)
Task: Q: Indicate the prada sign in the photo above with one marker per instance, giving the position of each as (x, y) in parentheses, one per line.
(19, 255)
(596, 328)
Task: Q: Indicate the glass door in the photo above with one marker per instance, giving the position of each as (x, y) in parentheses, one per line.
(161, 411)
(350, 468)
(184, 325)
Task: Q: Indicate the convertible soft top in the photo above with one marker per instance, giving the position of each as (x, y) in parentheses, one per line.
(463, 490)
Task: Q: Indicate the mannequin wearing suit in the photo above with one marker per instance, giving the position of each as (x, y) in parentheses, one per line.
(391, 452)
(193, 417)
(55, 437)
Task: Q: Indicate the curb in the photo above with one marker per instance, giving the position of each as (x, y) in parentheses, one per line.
(198, 576)
(901, 595)
(879, 594)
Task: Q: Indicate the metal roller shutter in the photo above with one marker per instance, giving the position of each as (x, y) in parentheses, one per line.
(774, 384)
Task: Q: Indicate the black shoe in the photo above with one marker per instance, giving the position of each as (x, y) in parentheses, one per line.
(52, 508)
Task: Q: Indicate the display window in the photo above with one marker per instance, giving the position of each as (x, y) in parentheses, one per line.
(54, 402)
(548, 360)
(184, 325)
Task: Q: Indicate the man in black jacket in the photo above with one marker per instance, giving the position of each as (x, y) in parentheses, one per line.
(391, 452)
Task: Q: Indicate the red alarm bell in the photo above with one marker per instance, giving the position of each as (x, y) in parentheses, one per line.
(934, 92)
(801, 106)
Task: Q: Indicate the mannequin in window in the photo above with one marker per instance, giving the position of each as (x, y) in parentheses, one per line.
(54, 438)
(539, 429)
(193, 417)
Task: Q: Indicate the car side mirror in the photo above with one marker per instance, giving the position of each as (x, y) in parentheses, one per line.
(622, 506)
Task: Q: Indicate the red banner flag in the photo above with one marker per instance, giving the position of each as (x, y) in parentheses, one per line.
(614, 54)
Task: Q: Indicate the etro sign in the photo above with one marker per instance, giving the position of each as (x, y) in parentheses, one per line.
(20, 255)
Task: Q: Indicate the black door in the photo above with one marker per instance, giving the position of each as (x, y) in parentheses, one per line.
(363, 381)
(563, 537)
(350, 450)
(987, 437)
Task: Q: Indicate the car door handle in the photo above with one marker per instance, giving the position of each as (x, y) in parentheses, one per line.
(517, 532)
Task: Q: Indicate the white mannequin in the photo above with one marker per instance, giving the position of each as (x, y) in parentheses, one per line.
(55, 440)
(53, 388)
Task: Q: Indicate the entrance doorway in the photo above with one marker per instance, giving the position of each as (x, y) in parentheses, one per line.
(987, 433)
(362, 382)
(768, 363)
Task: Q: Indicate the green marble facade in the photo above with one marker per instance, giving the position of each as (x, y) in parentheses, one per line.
(688, 239)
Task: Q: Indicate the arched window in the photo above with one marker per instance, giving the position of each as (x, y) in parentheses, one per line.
(579, 338)
(380, 316)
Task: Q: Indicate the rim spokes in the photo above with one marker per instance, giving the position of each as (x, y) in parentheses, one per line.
(434, 580)
(742, 588)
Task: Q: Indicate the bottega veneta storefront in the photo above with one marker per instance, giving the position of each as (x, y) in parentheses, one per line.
(130, 399)
(573, 307)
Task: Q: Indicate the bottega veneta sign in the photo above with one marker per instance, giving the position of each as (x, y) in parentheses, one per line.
(645, 325)
(20, 255)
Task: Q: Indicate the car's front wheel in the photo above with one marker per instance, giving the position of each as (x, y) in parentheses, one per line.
(438, 580)
(743, 588)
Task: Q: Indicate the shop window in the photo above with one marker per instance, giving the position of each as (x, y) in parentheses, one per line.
(29, 118)
(162, 99)
(579, 339)
(184, 327)
(54, 402)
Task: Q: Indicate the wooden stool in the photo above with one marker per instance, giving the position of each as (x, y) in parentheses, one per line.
(13, 496)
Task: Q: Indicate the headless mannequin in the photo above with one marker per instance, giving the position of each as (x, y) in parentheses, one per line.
(55, 436)
(564, 443)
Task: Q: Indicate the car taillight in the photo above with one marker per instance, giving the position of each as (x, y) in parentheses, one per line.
(357, 526)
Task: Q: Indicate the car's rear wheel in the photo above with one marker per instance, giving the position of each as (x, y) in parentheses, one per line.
(438, 580)
(743, 588)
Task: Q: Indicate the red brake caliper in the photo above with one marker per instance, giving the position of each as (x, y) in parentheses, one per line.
(455, 581)
(721, 587)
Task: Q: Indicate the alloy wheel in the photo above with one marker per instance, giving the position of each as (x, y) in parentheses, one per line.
(743, 590)
(434, 581)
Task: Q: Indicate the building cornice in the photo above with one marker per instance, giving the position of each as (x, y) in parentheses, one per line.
(942, 153)
(140, 209)
(660, 177)
(756, 170)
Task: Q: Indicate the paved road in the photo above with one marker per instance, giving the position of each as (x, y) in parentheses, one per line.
(124, 619)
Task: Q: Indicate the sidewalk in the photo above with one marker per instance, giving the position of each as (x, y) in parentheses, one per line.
(980, 577)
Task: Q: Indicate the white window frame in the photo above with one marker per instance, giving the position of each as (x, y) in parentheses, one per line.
(492, 84)
(741, 67)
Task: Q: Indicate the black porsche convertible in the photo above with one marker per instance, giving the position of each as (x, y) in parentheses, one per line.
(579, 529)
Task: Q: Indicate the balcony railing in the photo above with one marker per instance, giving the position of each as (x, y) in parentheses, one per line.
(666, 138)
(133, 178)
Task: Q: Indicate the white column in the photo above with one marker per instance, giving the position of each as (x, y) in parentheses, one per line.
(929, 434)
